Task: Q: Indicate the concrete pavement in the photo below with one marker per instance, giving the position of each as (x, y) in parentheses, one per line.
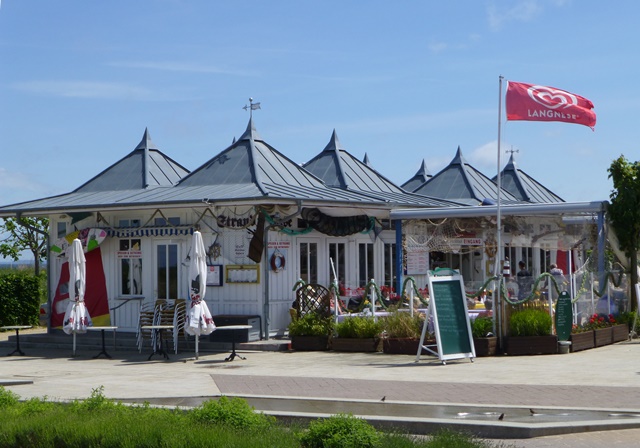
(593, 389)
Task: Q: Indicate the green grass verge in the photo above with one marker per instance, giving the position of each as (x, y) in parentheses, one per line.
(226, 422)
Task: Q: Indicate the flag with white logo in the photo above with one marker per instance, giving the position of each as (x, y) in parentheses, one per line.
(532, 102)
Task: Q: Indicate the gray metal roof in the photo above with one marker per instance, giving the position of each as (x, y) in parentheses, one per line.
(523, 186)
(144, 167)
(247, 171)
(419, 178)
(339, 169)
(461, 182)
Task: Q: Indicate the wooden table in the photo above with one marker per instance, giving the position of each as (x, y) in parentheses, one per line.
(17, 328)
(233, 329)
(102, 329)
(157, 347)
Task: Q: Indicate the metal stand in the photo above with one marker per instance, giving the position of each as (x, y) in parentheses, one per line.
(158, 349)
(17, 350)
(104, 351)
(233, 354)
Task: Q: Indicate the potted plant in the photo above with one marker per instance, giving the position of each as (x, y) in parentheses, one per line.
(484, 341)
(357, 334)
(581, 338)
(310, 332)
(402, 332)
(530, 333)
(601, 326)
(620, 327)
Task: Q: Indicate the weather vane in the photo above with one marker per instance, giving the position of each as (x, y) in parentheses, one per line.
(251, 107)
(508, 150)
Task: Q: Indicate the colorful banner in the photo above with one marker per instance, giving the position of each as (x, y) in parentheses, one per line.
(95, 296)
(531, 102)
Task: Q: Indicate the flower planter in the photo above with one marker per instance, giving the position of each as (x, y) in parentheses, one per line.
(357, 344)
(531, 345)
(620, 332)
(603, 336)
(404, 346)
(582, 341)
(310, 343)
(485, 346)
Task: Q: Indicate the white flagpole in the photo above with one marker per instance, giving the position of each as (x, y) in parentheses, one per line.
(497, 300)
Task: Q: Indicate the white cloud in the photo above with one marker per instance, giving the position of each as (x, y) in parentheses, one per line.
(485, 157)
(181, 67)
(522, 11)
(84, 89)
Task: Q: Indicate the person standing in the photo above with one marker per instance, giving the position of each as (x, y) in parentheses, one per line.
(561, 281)
(523, 278)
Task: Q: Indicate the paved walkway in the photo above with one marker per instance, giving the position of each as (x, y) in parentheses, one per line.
(606, 378)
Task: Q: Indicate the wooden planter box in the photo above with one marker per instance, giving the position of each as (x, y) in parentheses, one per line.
(357, 344)
(582, 341)
(620, 332)
(404, 346)
(486, 346)
(532, 345)
(310, 343)
(603, 336)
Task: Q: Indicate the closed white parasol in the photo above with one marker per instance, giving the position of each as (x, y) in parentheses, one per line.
(76, 318)
(199, 320)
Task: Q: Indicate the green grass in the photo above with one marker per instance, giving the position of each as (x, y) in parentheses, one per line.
(227, 422)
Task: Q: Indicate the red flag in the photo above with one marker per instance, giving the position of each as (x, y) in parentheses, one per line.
(539, 103)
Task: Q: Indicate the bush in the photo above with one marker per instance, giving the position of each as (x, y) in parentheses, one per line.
(530, 322)
(340, 431)
(481, 327)
(19, 298)
(7, 398)
(234, 412)
(400, 324)
(359, 327)
(311, 324)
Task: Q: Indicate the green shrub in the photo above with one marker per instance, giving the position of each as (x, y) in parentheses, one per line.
(97, 400)
(530, 322)
(481, 327)
(340, 431)
(400, 324)
(7, 398)
(359, 327)
(20, 296)
(311, 324)
(235, 412)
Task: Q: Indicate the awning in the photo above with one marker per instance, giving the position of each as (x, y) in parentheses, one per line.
(129, 232)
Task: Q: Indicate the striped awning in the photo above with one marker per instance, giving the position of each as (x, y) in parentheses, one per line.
(129, 232)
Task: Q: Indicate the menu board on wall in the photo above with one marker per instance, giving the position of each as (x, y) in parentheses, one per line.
(417, 262)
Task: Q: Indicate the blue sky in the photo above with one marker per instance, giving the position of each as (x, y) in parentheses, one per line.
(400, 81)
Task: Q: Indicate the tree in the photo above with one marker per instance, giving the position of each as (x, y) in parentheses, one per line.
(624, 213)
(25, 234)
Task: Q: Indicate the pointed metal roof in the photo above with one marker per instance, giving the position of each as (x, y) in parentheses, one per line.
(419, 178)
(366, 159)
(339, 169)
(144, 167)
(461, 182)
(251, 163)
(523, 186)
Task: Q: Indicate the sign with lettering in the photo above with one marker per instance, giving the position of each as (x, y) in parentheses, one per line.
(448, 310)
(564, 316)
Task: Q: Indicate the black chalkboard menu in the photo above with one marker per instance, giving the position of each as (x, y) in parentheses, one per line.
(448, 311)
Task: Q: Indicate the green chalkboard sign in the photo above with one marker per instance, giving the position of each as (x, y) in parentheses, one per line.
(448, 311)
(564, 316)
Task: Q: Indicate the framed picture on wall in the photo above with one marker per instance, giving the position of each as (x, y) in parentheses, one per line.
(214, 275)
